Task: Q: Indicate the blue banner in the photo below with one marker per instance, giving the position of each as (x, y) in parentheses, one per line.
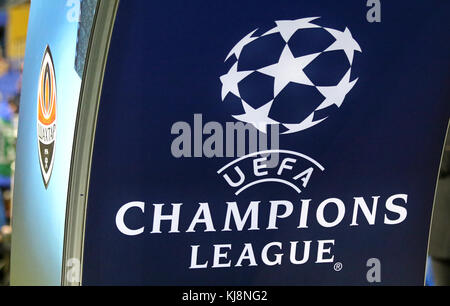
(268, 143)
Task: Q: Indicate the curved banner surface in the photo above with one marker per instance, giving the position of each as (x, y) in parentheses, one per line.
(48, 113)
(268, 143)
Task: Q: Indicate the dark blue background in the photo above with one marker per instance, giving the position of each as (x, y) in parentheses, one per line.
(164, 65)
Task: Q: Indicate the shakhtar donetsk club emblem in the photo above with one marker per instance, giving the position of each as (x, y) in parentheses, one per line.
(46, 123)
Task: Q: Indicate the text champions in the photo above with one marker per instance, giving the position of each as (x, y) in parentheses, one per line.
(328, 214)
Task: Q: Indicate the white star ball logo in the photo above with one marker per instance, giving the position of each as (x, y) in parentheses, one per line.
(290, 69)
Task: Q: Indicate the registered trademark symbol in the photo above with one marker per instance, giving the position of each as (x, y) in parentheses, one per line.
(338, 266)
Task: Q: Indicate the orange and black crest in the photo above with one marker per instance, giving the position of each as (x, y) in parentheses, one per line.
(46, 116)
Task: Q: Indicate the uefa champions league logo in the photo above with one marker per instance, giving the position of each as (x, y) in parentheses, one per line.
(270, 73)
(289, 69)
(286, 72)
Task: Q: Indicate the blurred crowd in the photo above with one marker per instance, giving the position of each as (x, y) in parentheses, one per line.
(9, 109)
